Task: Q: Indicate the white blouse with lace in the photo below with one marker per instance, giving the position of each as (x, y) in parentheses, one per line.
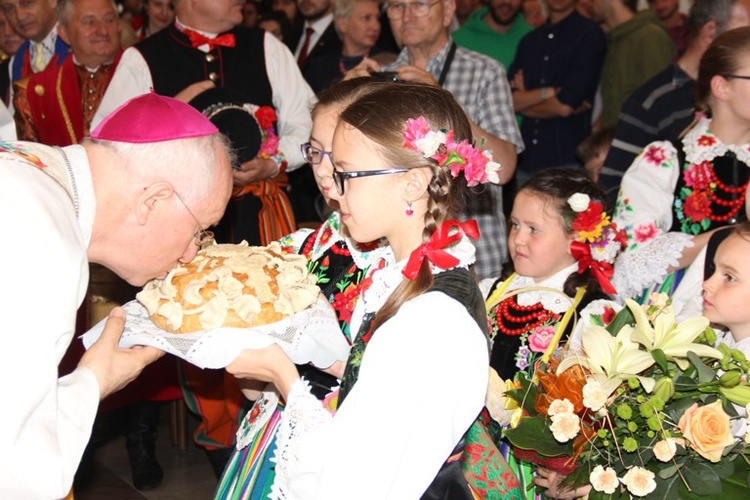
(645, 207)
(421, 384)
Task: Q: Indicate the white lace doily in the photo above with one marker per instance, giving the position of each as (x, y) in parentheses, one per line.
(311, 336)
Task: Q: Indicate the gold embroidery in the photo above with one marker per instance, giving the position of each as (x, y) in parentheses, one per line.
(39, 90)
(64, 109)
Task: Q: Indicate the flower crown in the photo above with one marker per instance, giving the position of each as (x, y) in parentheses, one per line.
(476, 164)
(598, 241)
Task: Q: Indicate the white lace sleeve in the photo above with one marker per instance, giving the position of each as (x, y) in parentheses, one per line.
(303, 412)
(644, 211)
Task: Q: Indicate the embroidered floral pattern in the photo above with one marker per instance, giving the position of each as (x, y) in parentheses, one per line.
(655, 155)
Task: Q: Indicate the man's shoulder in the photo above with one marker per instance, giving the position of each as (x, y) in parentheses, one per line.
(657, 86)
(470, 57)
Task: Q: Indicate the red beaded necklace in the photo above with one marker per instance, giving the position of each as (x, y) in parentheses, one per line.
(528, 317)
(338, 248)
(734, 205)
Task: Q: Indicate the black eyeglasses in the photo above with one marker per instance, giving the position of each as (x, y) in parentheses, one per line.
(420, 8)
(313, 155)
(739, 77)
(340, 177)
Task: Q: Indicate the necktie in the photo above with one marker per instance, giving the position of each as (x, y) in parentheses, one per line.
(305, 46)
(197, 39)
(37, 59)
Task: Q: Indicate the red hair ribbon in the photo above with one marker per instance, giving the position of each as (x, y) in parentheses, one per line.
(433, 248)
(602, 270)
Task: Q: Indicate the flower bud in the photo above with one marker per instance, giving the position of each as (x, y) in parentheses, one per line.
(710, 336)
(730, 379)
(738, 355)
(664, 389)
(738, 395)
(724, 350)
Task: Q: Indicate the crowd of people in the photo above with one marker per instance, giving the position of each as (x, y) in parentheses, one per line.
(437, 155)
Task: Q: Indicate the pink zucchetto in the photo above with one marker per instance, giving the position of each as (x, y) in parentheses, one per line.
(153, 118)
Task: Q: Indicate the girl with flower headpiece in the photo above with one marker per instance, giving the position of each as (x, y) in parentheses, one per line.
(416, 377)
(562, 245)
(676, 194)
(340, 266)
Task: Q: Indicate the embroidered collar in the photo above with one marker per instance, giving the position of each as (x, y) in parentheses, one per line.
(552, 301)
(363, 256)
(387, 275)
(700, 144)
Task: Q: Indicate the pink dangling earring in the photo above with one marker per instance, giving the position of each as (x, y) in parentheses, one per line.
(409, 211)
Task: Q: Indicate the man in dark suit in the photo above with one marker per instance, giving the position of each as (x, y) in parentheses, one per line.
(318, 33)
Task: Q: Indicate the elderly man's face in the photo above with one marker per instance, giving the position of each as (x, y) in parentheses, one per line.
(92, 30)
(173, 237)
(413, 31)
(32, 19)
(9, 39)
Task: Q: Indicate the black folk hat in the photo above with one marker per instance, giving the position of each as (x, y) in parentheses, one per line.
(232, 114)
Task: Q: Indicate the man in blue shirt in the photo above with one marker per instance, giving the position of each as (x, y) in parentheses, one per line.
(554, 78)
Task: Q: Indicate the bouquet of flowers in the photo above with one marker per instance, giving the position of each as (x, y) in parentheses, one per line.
(648, 409)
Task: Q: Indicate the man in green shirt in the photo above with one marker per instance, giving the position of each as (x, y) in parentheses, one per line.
(638, 47)
(494, 30)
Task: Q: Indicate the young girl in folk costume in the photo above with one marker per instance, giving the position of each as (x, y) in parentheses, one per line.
(675, 195)
(416, 378)
(562, 245)
(340, 265)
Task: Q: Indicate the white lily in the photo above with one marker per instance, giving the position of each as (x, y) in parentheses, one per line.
(673, 339)
(611, 359)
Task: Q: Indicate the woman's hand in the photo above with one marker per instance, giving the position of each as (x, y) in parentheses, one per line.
(270, 364)
(550, 480)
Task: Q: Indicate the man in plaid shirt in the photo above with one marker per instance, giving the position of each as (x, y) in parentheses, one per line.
(480, 85)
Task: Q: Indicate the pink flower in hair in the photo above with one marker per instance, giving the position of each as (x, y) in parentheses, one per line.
(477, 165)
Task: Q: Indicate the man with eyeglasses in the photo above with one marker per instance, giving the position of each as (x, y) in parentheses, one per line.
(135, 197)
(480, 85)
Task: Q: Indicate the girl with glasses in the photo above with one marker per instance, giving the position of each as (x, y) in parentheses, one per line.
(416, 377)
(676, 194)
(339, 264)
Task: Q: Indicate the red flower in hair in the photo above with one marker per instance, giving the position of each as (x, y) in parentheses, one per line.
(266, 116)
(589, 219)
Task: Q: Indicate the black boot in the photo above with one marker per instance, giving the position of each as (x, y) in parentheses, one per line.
(140, 439)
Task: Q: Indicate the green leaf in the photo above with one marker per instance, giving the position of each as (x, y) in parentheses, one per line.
(533, 434)
(702, 479)
(622, 318)
(666, 489)
(723, 469)
(661, 360)
(705, 374)
(675, 409)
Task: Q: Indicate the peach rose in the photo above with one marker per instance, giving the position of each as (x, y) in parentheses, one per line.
(565, 426)
(560, 406)
(665, 449)
(604, 480)
(708, 430)
(639, 481)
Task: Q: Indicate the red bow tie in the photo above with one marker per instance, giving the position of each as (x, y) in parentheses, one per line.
(196, 39)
